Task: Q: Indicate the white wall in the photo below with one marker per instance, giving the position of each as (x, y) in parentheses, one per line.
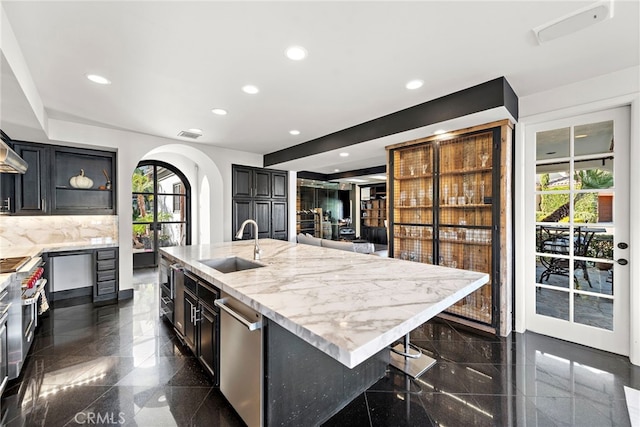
(604, 92)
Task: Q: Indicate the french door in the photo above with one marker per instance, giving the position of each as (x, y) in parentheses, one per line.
(578, 277)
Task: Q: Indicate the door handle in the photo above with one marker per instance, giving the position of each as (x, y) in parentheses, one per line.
(622, 261)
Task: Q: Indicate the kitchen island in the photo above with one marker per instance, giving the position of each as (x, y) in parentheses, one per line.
(338, 310)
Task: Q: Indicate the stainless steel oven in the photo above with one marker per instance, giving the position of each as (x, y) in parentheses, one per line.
(166, 291)
(4, 354)
(24, 294)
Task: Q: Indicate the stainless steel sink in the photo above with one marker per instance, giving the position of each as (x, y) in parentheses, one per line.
(230, 264)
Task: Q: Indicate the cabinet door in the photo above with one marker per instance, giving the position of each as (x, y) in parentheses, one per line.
(7, 192)
(242, 182)
(279, 220)
(191, 310)
(31, 188)
(278, 185)
(262, 211)
(262, 183)
(242, 210)
(208, 340)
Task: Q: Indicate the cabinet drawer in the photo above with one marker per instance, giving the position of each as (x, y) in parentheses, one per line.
(104, 276)
(207, 293)
(107, 254)
(191, 283)
(106, 287)
(109, 264)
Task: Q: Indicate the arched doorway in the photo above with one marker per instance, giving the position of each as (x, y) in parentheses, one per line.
(161, 203)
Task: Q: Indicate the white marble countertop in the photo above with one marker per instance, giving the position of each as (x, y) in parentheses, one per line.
(346, 304)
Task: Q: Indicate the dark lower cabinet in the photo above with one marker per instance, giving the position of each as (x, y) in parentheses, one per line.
(106, 286)
(201, 324)
(190, 324)
(208, 339)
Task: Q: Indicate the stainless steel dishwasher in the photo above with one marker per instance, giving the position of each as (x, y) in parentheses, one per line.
(241, 358)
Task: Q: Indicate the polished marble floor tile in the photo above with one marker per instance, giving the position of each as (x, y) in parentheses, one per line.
(121, 365)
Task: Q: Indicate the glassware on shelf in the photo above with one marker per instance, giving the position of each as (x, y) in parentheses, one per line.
(425, 169)
(430, 193)
(412, 170)
(421, 194)
(469, 194)
(445, 194)
(484, 157)
(403, 198)
(481, 192)
(455, 190)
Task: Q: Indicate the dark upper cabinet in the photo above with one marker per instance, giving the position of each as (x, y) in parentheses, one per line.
(279, 185)
(261, 195)
(260, 183)
(31, 192)
(46, 187)
(7, 192)
(88, 166)
(242, 181)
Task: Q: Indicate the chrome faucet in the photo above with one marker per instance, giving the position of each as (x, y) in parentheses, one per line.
(256, 250)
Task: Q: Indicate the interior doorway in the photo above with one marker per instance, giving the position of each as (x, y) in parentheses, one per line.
(161, 202)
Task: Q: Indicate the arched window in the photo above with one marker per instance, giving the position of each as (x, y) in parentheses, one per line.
(161, 202)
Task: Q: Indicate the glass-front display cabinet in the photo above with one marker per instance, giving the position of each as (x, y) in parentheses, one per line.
(450, 205)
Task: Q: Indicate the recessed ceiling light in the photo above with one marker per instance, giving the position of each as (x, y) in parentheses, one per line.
(581, 136)
(379, 177)
(296, 53)
(356, 180)
(99, 79)
(294, 132)
(439, 132)
(414, 84)
(250, 89)
(219, 111)
(195, 130)
(336, 170)
(344, 154)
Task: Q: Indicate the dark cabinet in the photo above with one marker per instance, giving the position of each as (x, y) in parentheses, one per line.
(31, 191)
(248, 182)
(261, 195)
(190, 324)
(106, 284)
(48, 185)
(208, 329)
(7, 192)
(201, 327)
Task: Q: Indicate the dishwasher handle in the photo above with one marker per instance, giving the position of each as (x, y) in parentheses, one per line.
(240, 318)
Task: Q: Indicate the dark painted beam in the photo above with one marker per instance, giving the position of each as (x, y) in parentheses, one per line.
(485, 96)
(375, 170)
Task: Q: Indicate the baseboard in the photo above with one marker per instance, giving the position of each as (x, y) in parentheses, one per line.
(71, 293)
(125, 294)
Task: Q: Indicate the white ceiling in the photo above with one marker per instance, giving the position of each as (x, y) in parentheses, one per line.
(171, 62)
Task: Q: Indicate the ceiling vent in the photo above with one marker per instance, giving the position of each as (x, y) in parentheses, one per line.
(187, 134)
(575, 21)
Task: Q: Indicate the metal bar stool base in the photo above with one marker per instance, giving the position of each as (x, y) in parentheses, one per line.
(410, 366)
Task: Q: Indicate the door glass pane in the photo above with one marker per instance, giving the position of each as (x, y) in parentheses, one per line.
(142, 205)
(593, 311)
(169, 182)
(593, 138)
(553, 144)
(552, 303)
(172, 234)
(171, 208)
(142, 179)
(142, 239)
(553, 271)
